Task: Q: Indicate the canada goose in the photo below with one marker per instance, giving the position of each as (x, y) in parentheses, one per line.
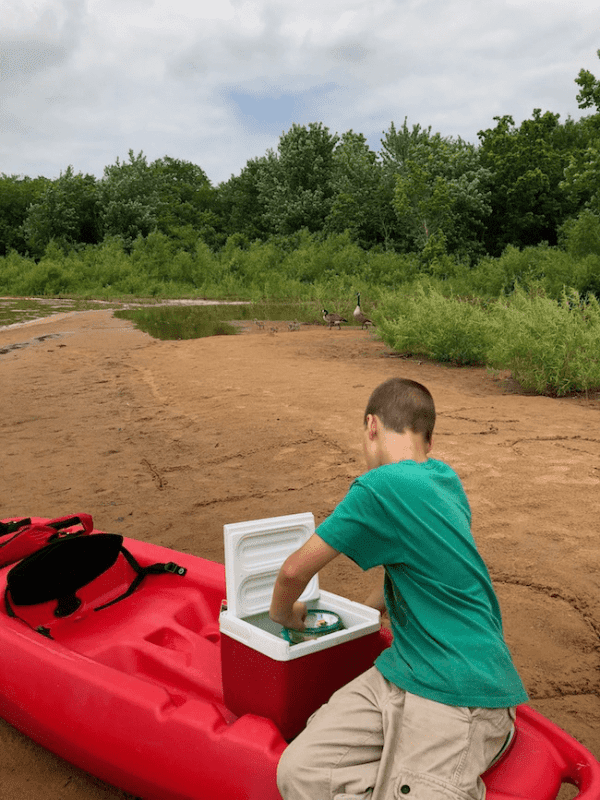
(333, 319)
(365, 322)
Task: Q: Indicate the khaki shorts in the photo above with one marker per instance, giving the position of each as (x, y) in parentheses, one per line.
(373, 741)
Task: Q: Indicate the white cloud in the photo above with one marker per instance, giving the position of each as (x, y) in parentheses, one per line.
(216, 81)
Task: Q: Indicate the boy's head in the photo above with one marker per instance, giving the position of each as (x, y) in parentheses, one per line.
(401, 405)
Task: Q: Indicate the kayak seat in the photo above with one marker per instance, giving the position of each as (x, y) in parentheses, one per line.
(165, 633)
(59, 570)
(95, 568)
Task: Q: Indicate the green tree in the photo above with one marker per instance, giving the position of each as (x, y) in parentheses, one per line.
(582, 175)
(582, 178)
(130, 198)
(67, 212)
(362, 202)
(241, 204)
(17, 194)
(441, 190)
(527, 164)
(187, 199)
(295, 186)
(589, 89)
(397, 145)
(581, 236)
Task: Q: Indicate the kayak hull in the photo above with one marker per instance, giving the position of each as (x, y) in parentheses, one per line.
(133, 694)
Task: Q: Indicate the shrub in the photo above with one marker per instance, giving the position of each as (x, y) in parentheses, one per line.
(550, 268)
(424, 322)
(550, 347)
(581, 236)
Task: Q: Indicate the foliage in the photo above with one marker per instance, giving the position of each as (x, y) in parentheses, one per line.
(294, 185)
(187, 201)
(527, 165)
(362, 194)
(581, 236)
(421, 321)
(589, 94)
(130, 198)
(242, 205)
(544, 268)
(550, 347)
(582, 175)
(440, 190)
(17, 194)
(67, 213)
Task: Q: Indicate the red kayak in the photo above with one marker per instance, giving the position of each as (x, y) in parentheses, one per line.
(120, 673)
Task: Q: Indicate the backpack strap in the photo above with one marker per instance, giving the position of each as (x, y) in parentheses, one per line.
(16, 526)
(141, 572)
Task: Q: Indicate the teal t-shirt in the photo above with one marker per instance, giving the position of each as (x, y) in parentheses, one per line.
(415, 520)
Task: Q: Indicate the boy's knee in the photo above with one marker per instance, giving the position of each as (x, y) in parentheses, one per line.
(299, 778)
(287, 770)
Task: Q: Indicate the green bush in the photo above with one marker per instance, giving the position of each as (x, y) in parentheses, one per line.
(424, 322)
(581, 236)
(548, 268)
(550, 347)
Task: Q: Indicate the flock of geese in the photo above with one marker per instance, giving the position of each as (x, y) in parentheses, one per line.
(335, 320)
(332, 319)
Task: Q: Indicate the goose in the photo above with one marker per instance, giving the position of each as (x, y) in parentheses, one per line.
(365, 322)
(333, 319)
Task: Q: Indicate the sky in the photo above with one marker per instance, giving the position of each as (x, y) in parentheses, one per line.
(216, 82)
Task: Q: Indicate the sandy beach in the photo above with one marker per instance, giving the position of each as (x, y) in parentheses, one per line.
(167, 441)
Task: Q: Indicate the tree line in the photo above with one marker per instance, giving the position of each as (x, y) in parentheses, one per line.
(438, 197)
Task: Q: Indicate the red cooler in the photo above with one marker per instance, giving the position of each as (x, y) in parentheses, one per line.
(263, 673)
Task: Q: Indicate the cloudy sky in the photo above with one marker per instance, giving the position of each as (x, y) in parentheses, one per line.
(216, 82)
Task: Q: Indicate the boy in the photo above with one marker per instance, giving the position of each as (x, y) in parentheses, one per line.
(437, 709)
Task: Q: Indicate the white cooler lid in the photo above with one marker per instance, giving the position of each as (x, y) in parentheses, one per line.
(254, 553)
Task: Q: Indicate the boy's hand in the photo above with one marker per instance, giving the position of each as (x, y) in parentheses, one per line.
(293, 578)
(295, 619)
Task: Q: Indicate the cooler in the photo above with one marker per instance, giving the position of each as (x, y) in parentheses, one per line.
(262, 672)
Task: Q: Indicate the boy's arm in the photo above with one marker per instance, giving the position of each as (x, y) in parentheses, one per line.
(376, 599)
(293, 578)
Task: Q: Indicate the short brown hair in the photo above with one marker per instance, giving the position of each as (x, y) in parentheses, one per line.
(400, 404)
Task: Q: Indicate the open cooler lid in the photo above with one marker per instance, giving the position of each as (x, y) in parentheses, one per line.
(254, 553)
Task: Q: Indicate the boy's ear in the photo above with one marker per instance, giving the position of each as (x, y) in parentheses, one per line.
(430, 444)
(372, 425)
